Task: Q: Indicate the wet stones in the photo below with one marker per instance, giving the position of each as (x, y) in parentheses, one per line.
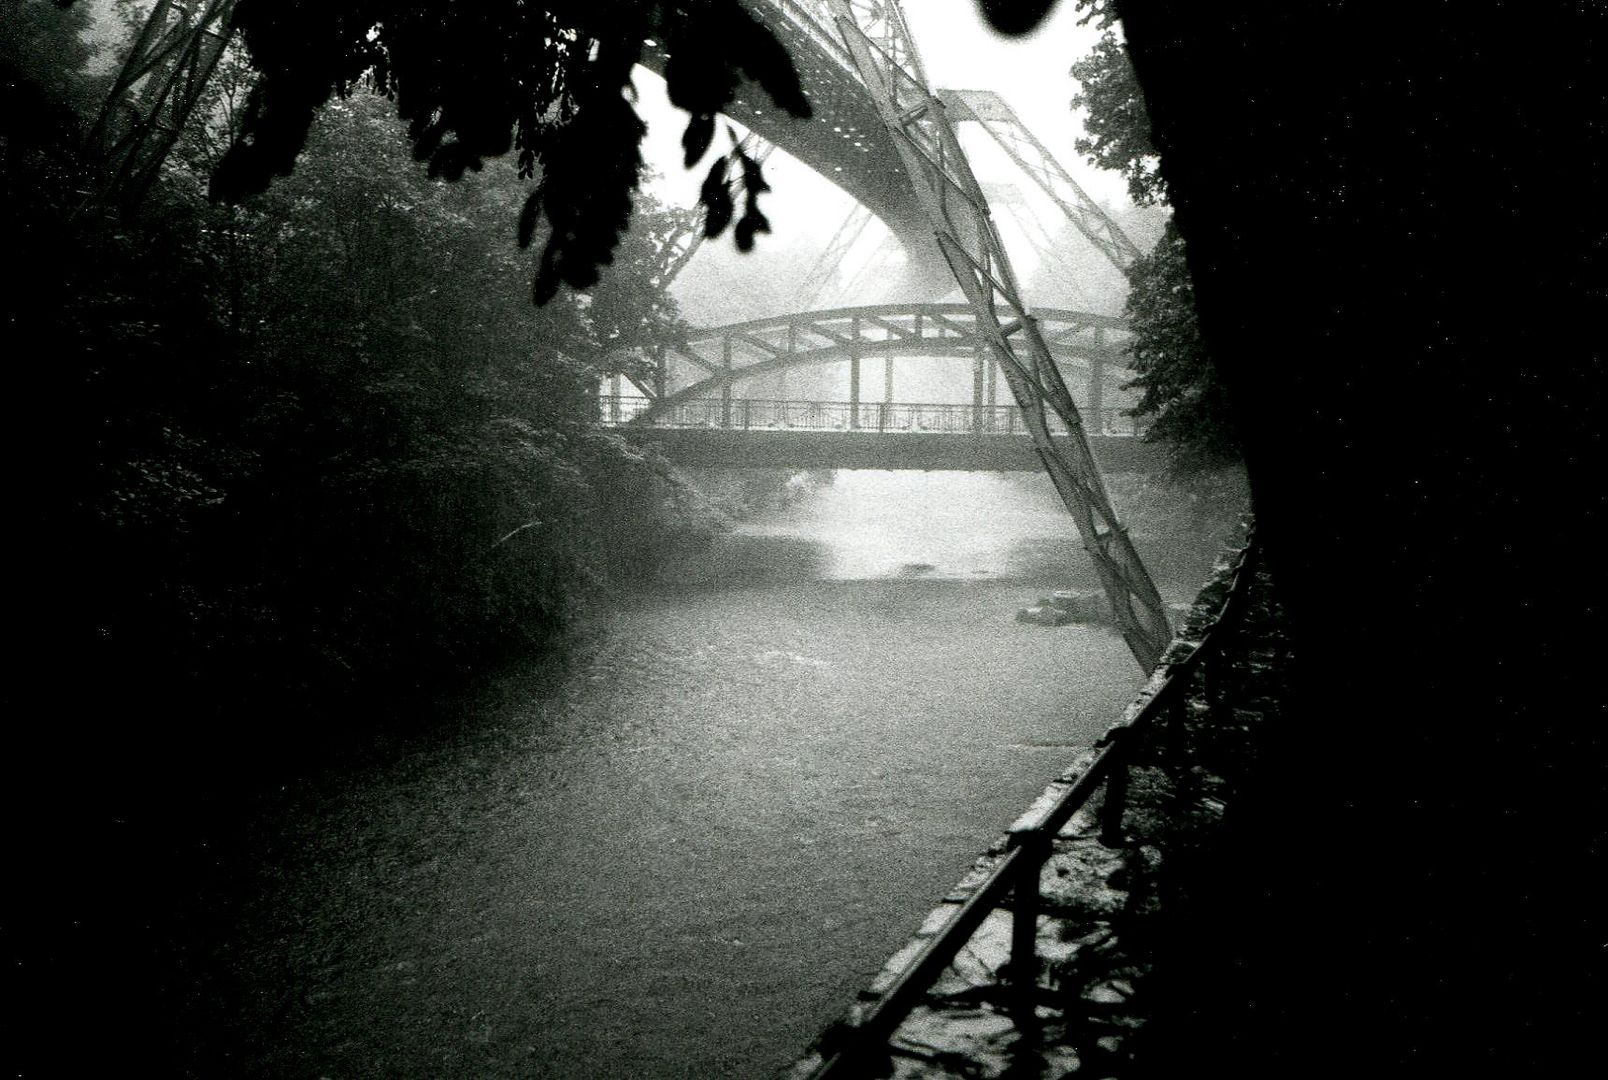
(1064, 607)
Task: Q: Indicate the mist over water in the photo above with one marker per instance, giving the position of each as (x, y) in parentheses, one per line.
(682, 855)
(875, 525)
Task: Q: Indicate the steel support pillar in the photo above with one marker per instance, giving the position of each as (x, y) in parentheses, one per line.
(884, 56)
(995, 116)
(725, 387)
(154, 93)
(980, 361)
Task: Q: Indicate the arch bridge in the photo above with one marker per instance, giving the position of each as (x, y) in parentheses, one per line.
(694, 413)
(709, 363)
(883, 133)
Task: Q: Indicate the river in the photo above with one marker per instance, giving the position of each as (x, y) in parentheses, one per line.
(683, 854)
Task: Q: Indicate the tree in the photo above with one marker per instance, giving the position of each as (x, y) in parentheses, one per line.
(1409, 886)
(1173, 368)
(550, 82)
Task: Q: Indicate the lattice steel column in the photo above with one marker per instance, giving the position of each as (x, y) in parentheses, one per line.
(828, 262)
(995, 116)
(155, 92)
(884, 55)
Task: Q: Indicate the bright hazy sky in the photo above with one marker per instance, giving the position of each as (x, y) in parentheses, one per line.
(959, 52)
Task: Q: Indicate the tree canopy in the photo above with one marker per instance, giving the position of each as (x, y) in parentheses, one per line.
(549, 82)
(1174, 372)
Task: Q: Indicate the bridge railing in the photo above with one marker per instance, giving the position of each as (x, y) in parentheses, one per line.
(751, 414)
(853, 1047)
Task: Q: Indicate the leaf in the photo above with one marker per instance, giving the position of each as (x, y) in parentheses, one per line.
(751, 222)
(1015, 16)
(528, 215)
(716, 198)
(696, 139)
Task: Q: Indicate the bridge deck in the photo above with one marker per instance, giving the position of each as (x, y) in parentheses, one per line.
(743, 432)
(926, 451)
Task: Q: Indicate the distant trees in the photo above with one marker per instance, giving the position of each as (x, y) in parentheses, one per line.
(1178, 383)
(317, 440)
(550, 82)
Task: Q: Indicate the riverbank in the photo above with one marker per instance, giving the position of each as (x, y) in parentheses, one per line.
(672, 858)
(1115, 927)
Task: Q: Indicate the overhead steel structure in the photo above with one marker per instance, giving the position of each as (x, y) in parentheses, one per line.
(884, 57)
(880, 132)
(154, 93)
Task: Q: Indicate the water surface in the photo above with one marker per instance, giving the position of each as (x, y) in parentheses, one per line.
(682, 856)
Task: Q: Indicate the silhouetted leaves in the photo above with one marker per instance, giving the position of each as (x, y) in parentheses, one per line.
(754, 185)
(696, 139)
(1173, 369)
(716, 198)
(529, 214)
(1116, 125)
(475, 81)
(1015, 16)
(1178, 380)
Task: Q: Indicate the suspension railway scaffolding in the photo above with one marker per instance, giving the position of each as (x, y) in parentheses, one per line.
(862, 54)
(884, 56)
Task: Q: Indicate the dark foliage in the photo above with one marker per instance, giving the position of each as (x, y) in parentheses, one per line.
(312, 444)
(1180, 389)
(1015, 16)
(1178, 383)
(1116, 126)
(550, 82)
(1411, 335)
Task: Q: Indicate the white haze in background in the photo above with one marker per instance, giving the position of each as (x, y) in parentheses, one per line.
(805, 210)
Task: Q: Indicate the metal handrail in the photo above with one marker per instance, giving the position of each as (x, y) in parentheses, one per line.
(882, 417)
(1017, 873)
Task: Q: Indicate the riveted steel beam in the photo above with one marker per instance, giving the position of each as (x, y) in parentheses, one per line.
(154, 93)
(884, 56)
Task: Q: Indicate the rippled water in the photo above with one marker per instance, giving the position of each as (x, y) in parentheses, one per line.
(681, 857)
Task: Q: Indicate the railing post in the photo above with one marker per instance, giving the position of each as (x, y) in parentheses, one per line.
(882, 417)
(854, 372)
(993, 392)
(1025, 904)
(1116, 792)
(725, 387)
(746, 406)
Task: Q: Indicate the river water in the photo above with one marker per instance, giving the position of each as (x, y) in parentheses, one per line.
(681, 856)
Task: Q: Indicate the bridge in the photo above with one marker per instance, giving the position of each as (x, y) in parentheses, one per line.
(696, 415)
(886, 137)
(883, 134)
(758, 433)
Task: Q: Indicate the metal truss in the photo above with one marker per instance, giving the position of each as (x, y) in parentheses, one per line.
(683, 244)
(155, 92)
(884, 56)
(999, 120)
(1051, 256)
(878, 261)
(686, 242)
(825, 267)
(713, 360)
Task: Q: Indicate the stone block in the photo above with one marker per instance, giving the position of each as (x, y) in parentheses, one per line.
(1044, 616)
